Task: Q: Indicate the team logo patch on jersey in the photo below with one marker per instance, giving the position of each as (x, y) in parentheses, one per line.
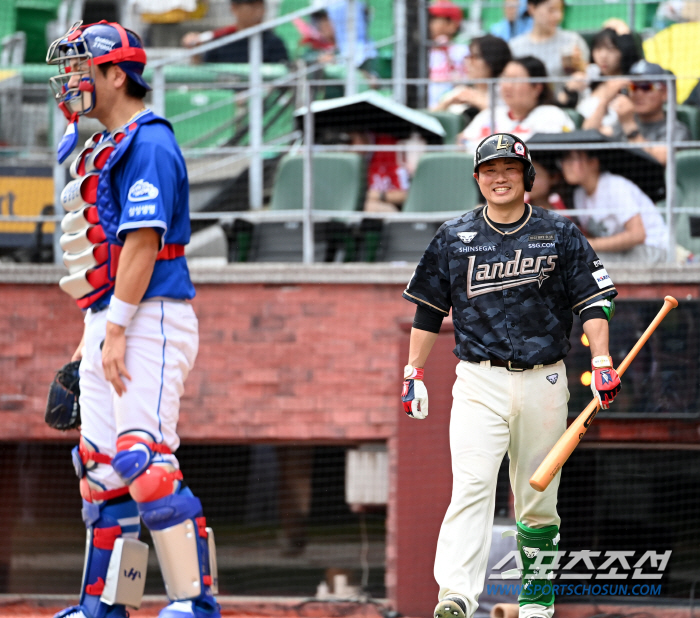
(466, 237)
(540, 238)
(602, 278)
(552, 378)
(531, 552)
(142, 190)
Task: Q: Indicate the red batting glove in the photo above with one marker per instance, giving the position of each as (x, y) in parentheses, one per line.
(605, 383)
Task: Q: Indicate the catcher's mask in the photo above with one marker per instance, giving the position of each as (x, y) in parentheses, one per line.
(78, 51)
(505, 146)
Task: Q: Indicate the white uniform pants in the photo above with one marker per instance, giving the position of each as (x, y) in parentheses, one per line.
(161, 346)
(496, 411)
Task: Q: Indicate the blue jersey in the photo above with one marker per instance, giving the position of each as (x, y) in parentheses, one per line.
(149, 188)
(512, 293)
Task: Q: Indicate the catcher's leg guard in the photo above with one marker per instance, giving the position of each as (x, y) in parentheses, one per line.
(538, 547)
(111, 550)
(183, 542)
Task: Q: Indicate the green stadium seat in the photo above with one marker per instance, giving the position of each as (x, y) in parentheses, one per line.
(583, 15)
(381, 19)
(338, 185)
(443, 182)
(288, 32)
(575, 116)
(452, 123)
(211, 125)
(590, 15)
(338, 182)
(688, 186)
(690, 116)
(33, 17)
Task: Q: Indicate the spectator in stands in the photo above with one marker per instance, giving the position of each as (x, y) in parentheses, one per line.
(545, 190)
(526, 109)
(488, 56)
(563, 52)
(516, 20)
(446, 60)
(248, 13)
(326, 37)
(630, 228)
(613, 54)
(641, 115)
(387, 176)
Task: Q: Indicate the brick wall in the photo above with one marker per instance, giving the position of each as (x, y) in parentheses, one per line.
(300, 361)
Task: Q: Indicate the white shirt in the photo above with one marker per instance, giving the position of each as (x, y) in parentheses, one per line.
(621, 199)
(542, 119)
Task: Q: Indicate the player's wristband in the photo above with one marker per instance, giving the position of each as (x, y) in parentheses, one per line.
(121, 313)
(601, 362)
(412, 373)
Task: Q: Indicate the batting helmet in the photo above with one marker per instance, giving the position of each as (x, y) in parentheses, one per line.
(80, 49)
(505, 146)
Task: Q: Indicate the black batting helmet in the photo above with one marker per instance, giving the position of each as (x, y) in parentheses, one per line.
(505, 146)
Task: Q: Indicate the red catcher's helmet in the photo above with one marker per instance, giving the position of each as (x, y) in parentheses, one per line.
(83, 47)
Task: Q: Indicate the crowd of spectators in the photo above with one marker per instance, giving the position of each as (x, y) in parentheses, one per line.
(549, 82)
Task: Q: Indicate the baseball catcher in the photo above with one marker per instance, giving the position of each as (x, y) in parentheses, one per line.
(125, 232)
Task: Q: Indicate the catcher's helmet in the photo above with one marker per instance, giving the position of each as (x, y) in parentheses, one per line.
(80, 49)
(506, 146)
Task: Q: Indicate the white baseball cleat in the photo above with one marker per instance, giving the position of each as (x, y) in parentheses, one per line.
(452, 606)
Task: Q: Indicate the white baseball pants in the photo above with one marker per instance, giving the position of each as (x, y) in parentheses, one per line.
(161, 346)
(495, 411)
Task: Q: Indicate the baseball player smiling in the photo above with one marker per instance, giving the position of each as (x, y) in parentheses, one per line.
(513, 275)
(125, 232)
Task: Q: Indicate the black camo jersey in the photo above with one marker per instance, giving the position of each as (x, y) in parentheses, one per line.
(513, 293)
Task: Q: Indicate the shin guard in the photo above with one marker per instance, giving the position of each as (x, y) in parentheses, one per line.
(113, 523)
(538, 547)
(185, 549)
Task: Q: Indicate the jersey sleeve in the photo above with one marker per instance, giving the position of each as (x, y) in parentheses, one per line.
(430, 284)
(587, 281)
(147, 189)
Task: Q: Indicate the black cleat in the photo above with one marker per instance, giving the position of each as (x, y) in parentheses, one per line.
(452, 606)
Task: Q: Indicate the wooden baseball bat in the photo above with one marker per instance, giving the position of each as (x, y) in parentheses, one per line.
(562, 450)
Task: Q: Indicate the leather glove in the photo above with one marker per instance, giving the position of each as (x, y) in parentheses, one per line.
(414, 395)
(605, 383)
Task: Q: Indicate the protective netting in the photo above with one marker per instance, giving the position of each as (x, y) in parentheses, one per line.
(662, 381)
(611, 500)
(279, 514)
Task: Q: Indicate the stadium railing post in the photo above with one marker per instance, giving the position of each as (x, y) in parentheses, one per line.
(671, 167)
(400, 51)
(255, 119)
(308, 179)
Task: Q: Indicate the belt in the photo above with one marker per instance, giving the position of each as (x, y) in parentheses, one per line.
(511, 365)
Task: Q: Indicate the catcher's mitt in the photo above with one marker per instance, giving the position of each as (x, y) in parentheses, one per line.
(63, 405)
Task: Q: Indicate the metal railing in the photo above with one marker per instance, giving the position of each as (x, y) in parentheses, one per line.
(303, 141)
